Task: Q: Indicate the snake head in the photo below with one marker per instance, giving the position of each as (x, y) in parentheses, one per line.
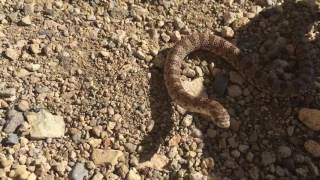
(221, 118)
(215, 112)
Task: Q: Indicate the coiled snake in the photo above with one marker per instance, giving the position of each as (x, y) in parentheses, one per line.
(266, 82)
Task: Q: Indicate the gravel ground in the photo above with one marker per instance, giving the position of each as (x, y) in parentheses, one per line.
(82, 93)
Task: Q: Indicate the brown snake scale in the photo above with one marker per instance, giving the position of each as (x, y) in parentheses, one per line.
(266, 82)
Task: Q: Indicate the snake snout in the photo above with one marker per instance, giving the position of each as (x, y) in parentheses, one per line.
(223, 120)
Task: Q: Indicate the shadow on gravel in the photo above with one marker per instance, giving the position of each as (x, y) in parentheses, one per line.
(275, 34)
(161, 112)
(281, 36)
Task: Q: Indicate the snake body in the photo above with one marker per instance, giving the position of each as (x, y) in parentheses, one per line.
(212, 109)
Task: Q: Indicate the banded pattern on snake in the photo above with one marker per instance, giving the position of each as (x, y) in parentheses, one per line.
(266, 82)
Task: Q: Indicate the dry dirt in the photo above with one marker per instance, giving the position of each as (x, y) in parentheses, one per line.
(98, 65)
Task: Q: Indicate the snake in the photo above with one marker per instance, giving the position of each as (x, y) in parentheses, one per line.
(243, 63)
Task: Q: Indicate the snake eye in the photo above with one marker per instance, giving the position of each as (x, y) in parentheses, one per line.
(223, 124)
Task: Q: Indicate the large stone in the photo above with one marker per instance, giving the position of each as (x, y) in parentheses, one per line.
(101, 156)
(157, 162)
(45, 125)
(310, 117)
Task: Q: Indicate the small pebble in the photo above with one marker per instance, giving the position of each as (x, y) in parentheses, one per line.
(139, 54)
(105, 54)
(211, 133)
(5, 162)
(130, 147)
(176, 36)
(229, 17)
(312, 147)
(117, 118)
(3, 104)
(32, 176)
(97, 176)
(123, 170)
(21, 172)
(280, 171)
(194, 87)
(235, 153)
(21, 72)
(96, 131)
(236, 78)
(165, 37)
(33, 67)
(35, 48)
(235, 124)
(12, 139)
(13, 16)
(249, 156)
(302, 171)
(290, 130)
(132, 175)
(28, 8)
(243, 148)
(187, 120)
(234, 91)
(241, 22)
(271, 2)
(284, 151)
(197, 132)
(7, 92)
(12, 54)
(228, 2)
(178, 23)
(227, 32)
(23, 105)
(150, 125)
(15, 119)
(196, 176)
(267, 158)
(26, 21)
(189, 72)
(58, 4)
(199, 71)
(310, 117)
